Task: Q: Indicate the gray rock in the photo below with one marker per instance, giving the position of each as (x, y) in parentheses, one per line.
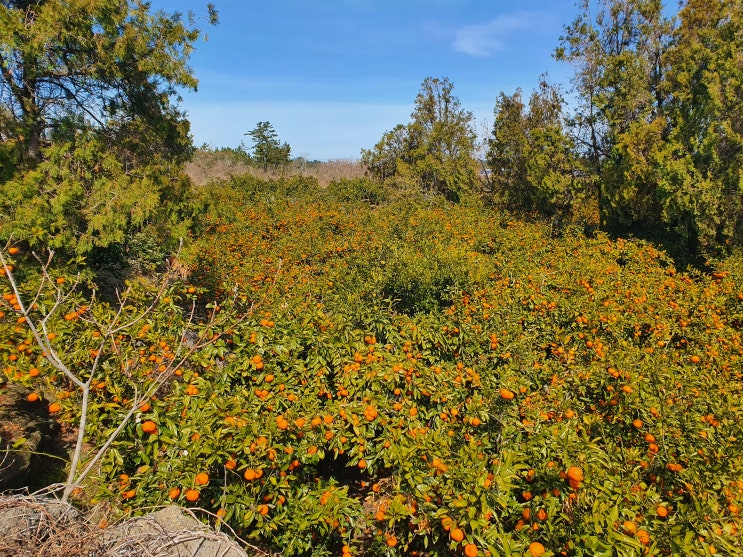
(26, 520)
(31, 526)
(170, 532)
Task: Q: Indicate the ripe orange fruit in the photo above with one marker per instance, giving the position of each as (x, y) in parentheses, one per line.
(390, 540)
(629, 527)
(362, 464)
(536, 549)
(54, 407)
(13, 251)
(230, 464)
(282, 422)
(370, 413)
(695, 359)
(637, 423)
(33, 397)
(174, 493)
(129, 494)
(507, 394)
(457, 534)
(446, 523)
(149, 427)
(643, 537)
(662, 511)
(192, 495)
(470, 550)
(202, 478)
(575, 473)
(262, 509)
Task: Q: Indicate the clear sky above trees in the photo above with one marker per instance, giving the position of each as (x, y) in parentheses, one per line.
(334, 75)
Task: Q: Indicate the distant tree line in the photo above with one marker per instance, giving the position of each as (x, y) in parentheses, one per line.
(652, 144)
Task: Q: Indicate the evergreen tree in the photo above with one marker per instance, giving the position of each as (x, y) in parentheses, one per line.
(435, 151)
(89, 121)
(534, 162)
(267, 149)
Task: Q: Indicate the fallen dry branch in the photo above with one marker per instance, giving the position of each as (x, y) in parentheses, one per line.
(39, 526)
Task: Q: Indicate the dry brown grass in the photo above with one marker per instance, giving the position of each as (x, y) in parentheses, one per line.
(40, 526)
(207, 166)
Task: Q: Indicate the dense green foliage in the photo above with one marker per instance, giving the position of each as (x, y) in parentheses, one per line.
(435, 151)
(393, 373)
(391, 365)
(655, 134)
(90, 135)
(659, 115)
(535, 165)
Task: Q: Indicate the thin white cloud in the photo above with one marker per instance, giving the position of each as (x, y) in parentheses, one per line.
(486, 39)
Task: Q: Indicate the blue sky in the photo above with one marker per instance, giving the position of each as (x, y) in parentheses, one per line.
(333, 75)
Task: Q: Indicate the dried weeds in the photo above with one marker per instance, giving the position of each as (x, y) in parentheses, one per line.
(40, 526)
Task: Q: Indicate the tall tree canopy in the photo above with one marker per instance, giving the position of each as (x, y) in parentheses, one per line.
(67, 64)
(435, 150)
(617, 49)
(700, 176)
(89, 123)
(658, 116)
(533, 159)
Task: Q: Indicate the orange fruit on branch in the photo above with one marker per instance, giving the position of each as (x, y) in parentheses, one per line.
(536, 549)
(507, 394)
(575, 473)
(470, 550)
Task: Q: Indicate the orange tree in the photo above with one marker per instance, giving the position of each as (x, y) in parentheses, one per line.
(414, 377)
(93, 363)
